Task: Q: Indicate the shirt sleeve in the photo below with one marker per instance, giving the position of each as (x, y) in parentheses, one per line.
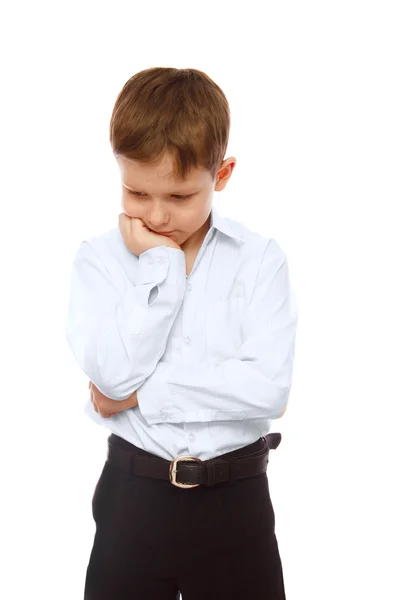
(255, 382)
(115, 334)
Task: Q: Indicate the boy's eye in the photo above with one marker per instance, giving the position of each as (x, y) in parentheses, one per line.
(140, 195)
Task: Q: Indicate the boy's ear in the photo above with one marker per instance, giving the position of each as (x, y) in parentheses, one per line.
(225, 172)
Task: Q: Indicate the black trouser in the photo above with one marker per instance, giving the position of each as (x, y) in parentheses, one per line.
(154, 540)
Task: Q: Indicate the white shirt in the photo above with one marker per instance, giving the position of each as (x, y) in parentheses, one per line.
(210, 355)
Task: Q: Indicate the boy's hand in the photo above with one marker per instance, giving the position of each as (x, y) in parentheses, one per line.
(107, 407)
(138, 238)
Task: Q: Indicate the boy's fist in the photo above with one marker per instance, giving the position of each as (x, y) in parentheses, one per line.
(138, 238)
(107, 407)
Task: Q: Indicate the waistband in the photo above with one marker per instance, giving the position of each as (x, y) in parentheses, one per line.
(116, 440)
(187, 471)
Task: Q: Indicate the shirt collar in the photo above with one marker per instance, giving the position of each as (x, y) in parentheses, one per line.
(222, 225)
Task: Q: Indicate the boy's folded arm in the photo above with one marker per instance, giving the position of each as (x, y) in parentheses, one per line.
(116, 337)
(254, 384)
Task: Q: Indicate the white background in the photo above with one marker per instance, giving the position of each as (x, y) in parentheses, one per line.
(314, 95)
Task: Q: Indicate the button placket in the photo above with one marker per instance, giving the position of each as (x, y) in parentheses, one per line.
(187, 340)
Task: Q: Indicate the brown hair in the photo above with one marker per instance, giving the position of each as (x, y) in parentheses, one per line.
(179, 111)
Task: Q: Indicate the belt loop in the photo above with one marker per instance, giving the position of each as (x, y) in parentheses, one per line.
(210, 473)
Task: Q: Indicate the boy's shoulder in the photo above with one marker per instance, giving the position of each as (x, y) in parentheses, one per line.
(113, 257)
(109, 242)
(254, 242)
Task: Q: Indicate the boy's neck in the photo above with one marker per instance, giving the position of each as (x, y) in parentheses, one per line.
(192, 244)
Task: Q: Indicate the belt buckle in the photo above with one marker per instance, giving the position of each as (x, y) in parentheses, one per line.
(173, 471)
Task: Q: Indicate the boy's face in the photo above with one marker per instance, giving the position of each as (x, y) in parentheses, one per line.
(150, 193)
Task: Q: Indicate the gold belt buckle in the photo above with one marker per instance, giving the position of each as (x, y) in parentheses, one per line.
(173, 470)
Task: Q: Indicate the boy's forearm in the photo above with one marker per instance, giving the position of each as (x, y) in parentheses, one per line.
(130, 402)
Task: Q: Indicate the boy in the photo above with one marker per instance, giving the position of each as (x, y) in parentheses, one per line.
(184, 322)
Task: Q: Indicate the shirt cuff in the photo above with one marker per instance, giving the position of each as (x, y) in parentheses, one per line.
(155, 263)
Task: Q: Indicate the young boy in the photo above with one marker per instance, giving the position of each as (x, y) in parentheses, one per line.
(184, 322)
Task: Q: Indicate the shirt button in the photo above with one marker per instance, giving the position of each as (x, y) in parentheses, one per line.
(191, 437)
(189, 286)
(187, 340)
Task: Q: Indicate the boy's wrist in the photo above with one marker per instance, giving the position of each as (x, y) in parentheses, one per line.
(129, 402)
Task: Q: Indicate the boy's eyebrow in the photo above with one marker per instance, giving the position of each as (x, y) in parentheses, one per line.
(141, 191)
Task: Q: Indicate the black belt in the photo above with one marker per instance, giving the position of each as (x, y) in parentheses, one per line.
(189, 471)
